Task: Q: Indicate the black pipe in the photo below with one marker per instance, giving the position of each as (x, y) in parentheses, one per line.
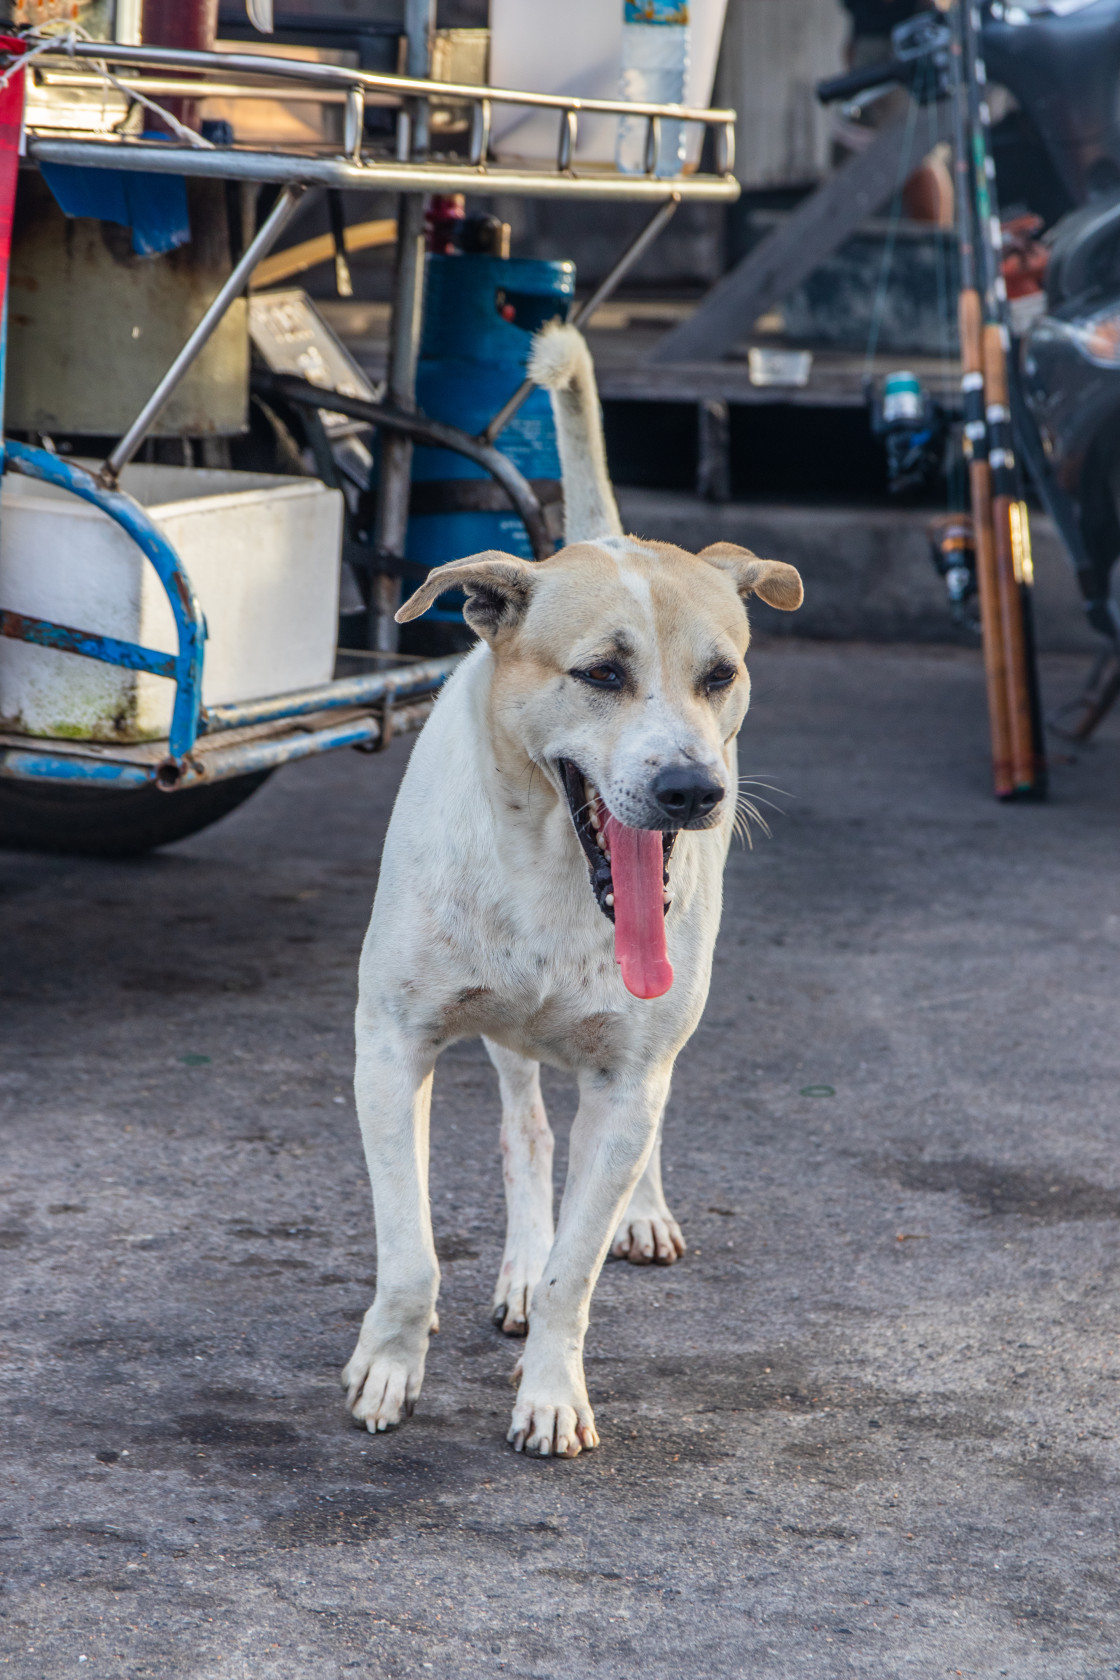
(423, 430)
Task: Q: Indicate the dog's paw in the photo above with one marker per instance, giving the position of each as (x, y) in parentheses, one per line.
(547, 1429)
(648, 1240)
(513, 1293)
(522, 1265)
(510, 1311)
(383, 1379)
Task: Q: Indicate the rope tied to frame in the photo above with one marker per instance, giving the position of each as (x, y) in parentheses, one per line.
(63, 40)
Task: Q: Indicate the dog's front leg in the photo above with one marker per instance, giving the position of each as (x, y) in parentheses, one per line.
(612, 1135)
(527, 1172)
(393, 1087)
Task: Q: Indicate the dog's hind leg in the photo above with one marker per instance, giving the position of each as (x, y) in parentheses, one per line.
(612, 1135)
(648, 1233)
(393, 1087)
(527, 1172)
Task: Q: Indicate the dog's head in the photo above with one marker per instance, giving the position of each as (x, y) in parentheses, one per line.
(623, 659)
(619, 671)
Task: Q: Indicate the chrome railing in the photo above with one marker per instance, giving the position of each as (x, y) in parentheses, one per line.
(162, 72)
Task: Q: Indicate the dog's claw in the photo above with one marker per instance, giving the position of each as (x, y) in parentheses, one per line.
(654, 1241)
(512, 1299)
(552, 1431)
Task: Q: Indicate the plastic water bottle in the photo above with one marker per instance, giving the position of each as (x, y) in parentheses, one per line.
(654, 61)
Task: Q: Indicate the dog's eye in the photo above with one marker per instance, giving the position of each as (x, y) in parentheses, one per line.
(603, 675)
(720, 676)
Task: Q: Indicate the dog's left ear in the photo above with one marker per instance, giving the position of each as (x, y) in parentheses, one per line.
(497, 587)
(772, 581)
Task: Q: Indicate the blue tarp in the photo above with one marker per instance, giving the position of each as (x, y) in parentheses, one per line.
(153, 206)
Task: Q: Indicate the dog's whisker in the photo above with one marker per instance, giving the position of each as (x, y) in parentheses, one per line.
(758, 796)
(756, 781)
(746, 813)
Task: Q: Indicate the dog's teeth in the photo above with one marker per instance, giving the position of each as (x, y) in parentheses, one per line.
(667, 896)
(609, 901)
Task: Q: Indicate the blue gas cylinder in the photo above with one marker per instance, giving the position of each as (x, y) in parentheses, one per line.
(480, 313)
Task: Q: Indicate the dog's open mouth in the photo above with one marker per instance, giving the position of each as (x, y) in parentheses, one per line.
(630, 879)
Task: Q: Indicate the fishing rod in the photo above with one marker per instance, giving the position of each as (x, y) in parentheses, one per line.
(1008, 521)
(970, 324)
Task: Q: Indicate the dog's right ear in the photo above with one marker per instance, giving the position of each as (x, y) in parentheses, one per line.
(497, 587)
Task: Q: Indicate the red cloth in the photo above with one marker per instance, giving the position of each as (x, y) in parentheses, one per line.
(11, 121)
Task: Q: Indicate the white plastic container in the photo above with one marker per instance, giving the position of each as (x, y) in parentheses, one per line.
(262, 554)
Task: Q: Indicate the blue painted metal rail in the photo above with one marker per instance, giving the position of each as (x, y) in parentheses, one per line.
(19, 627)
(183, 766)
(22, 765)
(190, 626)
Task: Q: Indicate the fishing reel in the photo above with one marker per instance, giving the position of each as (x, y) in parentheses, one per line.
(920, 60)
(913, 429)
(953, 552)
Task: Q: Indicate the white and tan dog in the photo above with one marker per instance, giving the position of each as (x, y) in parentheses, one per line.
(578, 770)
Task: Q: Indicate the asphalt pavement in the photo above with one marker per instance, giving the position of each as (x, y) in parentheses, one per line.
(866, 1427)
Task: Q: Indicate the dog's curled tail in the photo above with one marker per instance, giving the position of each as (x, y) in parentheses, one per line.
(561, 362)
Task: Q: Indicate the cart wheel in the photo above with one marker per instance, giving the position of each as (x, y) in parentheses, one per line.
(110, 822)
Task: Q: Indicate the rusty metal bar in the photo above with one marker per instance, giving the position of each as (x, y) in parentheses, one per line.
(406, 683)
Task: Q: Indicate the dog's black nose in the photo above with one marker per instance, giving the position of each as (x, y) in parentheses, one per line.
(685, 793)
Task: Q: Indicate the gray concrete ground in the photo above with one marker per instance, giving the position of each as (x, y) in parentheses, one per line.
(867, 1426)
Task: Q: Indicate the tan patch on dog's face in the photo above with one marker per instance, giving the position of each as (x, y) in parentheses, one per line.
(628, 659)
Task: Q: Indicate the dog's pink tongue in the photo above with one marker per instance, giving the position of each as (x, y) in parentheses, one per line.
(637, 869)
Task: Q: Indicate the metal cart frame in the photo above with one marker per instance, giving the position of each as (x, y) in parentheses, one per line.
(211, 744)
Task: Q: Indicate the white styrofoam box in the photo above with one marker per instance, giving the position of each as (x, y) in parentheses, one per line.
(262, 554)
(576, 48)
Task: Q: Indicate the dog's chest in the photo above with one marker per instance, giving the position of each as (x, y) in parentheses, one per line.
(538, 975)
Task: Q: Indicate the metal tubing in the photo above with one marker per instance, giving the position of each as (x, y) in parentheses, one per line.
(410, 680)
(257, 248)
(394, 474)
(653, 144)
(569, 134)
(419, 29)
(481, 116)
(394, 478)
(636, 248)
(242, 759)
(423, 430)
(372, 82)
(375, 174)
(247, 757)
(43, 633)
(190, 625)
(18, 765)
(354, 125)
(725, 149)
(157, 87)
